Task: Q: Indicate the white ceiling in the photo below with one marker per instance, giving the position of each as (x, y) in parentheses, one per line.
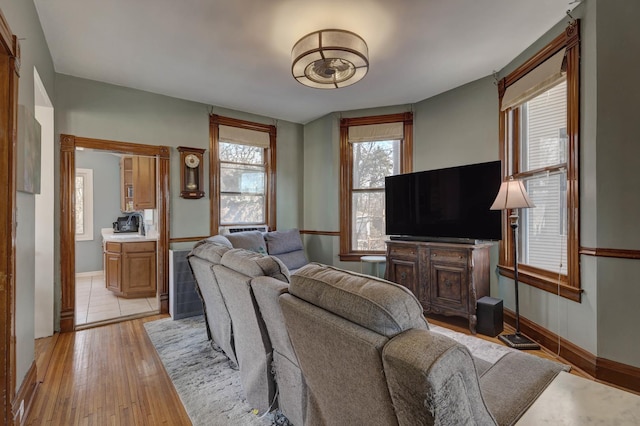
(236, 53)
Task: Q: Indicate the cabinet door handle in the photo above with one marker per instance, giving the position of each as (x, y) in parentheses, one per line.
(447, 283)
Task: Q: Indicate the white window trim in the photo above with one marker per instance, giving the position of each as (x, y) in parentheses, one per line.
(87, 203)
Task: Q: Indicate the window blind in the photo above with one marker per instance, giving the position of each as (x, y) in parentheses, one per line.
(376, 132)
(243, 136)
(535, 82)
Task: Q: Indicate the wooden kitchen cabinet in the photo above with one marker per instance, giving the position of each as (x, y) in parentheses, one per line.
(130, 268)
(138, 183)
(447, 278)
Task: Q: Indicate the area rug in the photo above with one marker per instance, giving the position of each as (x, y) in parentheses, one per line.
(210, 388)
(207, 385)
(478, 347)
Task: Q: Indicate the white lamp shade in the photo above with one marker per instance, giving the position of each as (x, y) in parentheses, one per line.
(512, 195)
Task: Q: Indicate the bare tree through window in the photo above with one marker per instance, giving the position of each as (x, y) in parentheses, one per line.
(372, 162)
(242, 184)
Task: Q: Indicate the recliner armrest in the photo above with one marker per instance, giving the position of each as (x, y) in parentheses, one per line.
(432, 380)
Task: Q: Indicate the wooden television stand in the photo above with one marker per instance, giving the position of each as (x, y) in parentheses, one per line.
(447, 278)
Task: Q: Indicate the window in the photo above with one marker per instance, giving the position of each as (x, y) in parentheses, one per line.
(371, 149)
(242, 183)
(84, 204)
(242, 173)
(539, 119)
(543, 156)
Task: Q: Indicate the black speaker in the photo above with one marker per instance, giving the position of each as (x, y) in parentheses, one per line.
(489, 312)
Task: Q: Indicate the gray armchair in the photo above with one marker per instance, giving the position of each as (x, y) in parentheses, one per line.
(368, 357)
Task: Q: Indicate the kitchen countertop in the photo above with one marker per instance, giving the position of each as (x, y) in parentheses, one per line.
(109, 235)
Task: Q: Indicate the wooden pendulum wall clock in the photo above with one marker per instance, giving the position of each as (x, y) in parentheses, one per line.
(191, 181)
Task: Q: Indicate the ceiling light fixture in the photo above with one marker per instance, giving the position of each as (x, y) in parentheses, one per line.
(330, 59)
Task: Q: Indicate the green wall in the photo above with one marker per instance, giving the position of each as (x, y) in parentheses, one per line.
(106, 204)
(457, 127)
(97, 110)
(618, 178)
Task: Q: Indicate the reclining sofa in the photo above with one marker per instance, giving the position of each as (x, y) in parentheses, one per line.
(240, 290)
(285, 245)
(338, 347)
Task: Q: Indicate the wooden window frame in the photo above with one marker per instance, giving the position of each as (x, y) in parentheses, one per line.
(568, 285)
(215, 121)
(346, 173)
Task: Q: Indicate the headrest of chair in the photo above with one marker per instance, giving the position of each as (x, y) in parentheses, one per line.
(381, 306)
(254, 264)
(208, 250)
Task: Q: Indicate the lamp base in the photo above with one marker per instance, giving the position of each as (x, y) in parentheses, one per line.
(518, 341)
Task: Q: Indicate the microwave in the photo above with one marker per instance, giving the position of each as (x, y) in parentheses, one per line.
(126, 224)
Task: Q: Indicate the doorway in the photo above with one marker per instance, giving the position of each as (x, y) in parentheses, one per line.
(68, 146)
(103, 181)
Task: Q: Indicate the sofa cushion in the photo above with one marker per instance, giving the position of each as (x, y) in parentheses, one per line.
(283, 241)
(287, 246)
(294, 260)
(220, 240)
(381, 306)
(249, 240)
(209, 251)
(255, 264)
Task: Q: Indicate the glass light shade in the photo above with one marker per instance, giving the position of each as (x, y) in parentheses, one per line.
(512, 195)
(329, 59)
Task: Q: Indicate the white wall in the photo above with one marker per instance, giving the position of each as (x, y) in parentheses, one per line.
(44, 225)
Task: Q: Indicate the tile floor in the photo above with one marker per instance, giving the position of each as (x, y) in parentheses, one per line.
(95, 303)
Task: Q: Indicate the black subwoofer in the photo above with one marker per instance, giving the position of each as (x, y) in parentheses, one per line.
(490, 319)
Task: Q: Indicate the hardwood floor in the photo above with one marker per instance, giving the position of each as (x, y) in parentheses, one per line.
(113, 375)
(108, 375)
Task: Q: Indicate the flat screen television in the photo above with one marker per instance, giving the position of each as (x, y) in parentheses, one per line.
(444, 204)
